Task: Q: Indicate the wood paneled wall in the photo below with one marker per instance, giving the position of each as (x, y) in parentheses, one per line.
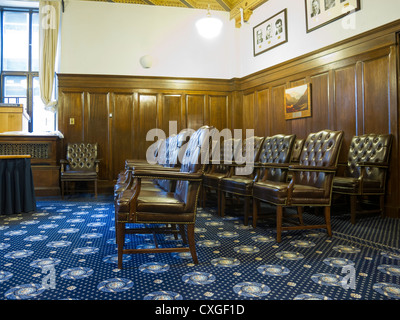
(118, 118)
(354, 87)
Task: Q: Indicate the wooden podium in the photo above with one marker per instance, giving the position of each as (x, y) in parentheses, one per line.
(44, 158)
(13, 118)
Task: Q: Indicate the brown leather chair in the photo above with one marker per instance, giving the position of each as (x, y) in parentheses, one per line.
(219, 168)
(151, 207)
(81, 164)
(240, 183)
(366, 172)
(273, 163)
(311, 183)
(158, 158)
(168, 156)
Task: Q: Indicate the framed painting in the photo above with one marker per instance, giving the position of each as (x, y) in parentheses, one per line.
(270, 33)
(298, 102)
(322, 12)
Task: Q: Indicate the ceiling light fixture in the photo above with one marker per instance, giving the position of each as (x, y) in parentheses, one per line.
(209, 27)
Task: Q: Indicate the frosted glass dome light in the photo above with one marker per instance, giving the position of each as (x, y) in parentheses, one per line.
(209, 27)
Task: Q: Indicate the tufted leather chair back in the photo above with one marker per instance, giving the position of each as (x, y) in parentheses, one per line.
(276, 149)
(187, 191)
(176, 148)
(226, 155)
(296, 151)
(252, 143)
(320, 149)
(81, 156)
(369, 148)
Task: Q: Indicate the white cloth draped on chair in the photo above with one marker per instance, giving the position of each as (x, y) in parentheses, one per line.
(49, 24)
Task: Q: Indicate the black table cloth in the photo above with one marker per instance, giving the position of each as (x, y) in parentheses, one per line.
(17, 193)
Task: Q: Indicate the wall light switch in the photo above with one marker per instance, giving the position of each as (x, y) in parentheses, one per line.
(71, 120)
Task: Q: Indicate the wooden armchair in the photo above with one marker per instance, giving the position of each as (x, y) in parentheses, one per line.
(273, 164)
(366, 172)
(311, 183)
(240, 183)
(152, 207)
(219, 168)
(81, 164)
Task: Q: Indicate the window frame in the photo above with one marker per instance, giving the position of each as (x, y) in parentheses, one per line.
(28, 74)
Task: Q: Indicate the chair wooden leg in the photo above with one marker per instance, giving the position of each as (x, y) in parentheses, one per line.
(223, 200)
(120, 242)
(382, 205)
(203, 196)
(327, 213)
(300, 215)
(192, 244)
(173, 227)
(95, 189)
(219, 202)
(246, 210)
(62, 189)
(256, 208)
(183, 233)
(353, 208)
(279, 214)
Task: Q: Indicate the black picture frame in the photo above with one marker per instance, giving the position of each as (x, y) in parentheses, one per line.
(319, 13)
(270, 33)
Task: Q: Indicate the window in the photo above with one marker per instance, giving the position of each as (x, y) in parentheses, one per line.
(20, 65)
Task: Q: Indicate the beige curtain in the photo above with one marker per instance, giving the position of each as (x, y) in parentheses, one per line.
(49, 24)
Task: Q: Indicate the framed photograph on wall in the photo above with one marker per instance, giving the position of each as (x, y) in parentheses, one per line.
(298, 102)
(270, 33)
(322, 12)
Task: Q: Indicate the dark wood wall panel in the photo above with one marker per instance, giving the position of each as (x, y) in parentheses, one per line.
(171, 110)
(122, 133)
(345, 113)
(262, 125)
(376, 95)
(147, 120)
(73, 111)
(96, 125)
(218, 112)
(195, 110)
(276, 111)
(248, 111)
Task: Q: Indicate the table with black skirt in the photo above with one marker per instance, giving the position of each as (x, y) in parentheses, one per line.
(17, 194)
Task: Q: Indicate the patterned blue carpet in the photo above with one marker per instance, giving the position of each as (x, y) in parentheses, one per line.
(66, 251)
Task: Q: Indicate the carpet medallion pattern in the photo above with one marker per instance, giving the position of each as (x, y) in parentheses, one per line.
(66, 251)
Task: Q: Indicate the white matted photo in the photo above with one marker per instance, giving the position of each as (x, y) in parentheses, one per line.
(270, 33)
(322, 12)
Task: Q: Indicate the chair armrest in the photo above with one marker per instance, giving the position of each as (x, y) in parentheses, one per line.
(272, 165)
(63, 162)
(373, 164)
(299, 167)
(167, 174)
